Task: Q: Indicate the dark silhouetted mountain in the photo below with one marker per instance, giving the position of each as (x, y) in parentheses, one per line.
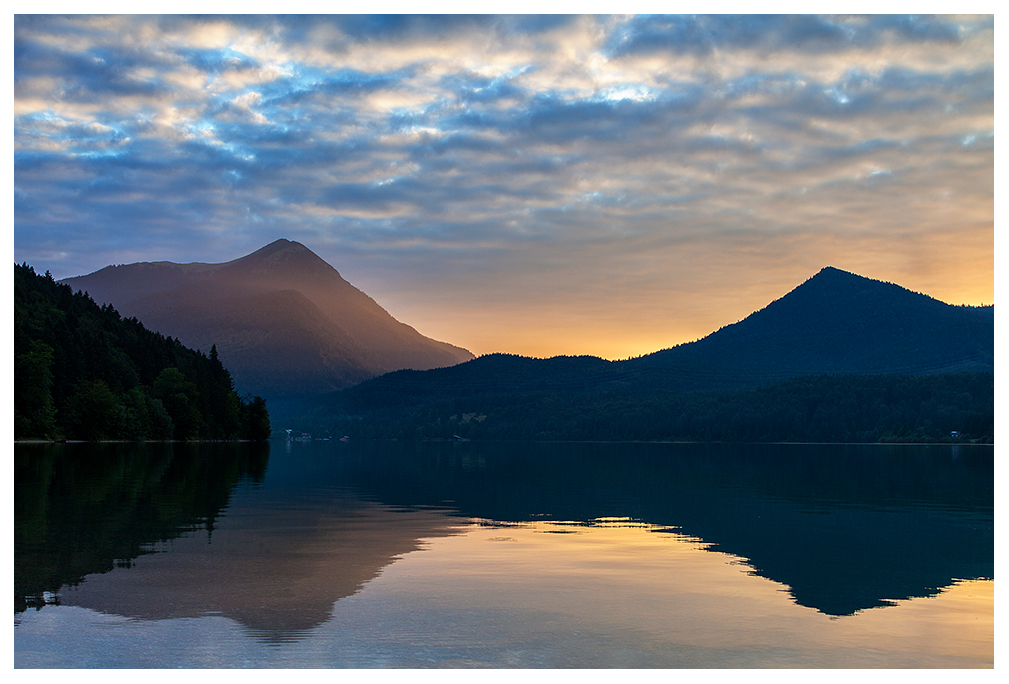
(284, 321)
(835, 323)
(852, 333)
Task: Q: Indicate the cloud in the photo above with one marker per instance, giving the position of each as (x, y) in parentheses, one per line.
(703, 35)
(526, 154)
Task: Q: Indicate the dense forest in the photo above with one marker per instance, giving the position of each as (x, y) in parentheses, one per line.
(82, 372)
(825, 408)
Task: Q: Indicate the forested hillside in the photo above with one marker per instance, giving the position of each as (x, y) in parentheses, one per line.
(83, 372)
(843, 408)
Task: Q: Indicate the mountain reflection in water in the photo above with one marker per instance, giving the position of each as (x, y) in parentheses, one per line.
(272, 539)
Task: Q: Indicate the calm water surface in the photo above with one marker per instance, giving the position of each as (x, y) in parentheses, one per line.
(369, 554)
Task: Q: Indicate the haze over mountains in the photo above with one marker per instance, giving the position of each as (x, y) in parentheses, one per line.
(284, 321)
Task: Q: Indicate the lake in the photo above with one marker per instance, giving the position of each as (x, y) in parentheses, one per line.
(504, 555)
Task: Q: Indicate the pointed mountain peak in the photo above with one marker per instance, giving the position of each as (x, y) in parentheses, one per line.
(281, 246)
(836, 280)
(833, 273)
(284, 254)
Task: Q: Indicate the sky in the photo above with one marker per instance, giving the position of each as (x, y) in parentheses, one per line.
(538, 185)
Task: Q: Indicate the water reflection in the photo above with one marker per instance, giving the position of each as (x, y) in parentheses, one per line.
(275, 569)
(81, 509)
(165, 531)
(846, 528)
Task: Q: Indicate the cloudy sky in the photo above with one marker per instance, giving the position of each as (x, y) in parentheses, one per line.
(542, 185)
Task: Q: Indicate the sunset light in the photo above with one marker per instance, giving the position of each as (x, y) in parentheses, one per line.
(537, 185)
(504, 341)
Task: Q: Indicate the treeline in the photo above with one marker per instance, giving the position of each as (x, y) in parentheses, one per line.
(81, 371)
(827, 408)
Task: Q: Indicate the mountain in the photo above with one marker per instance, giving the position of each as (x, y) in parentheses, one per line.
(284, 321)
(839, 358)
(835, 323)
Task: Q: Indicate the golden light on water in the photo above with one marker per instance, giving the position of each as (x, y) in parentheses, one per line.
(670, 600)
(323, 578)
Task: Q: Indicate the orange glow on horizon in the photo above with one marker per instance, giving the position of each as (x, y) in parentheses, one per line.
(617, 330)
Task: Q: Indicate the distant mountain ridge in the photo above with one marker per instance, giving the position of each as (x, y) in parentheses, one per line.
(841, 358)
(284, 321)
(835, 323)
